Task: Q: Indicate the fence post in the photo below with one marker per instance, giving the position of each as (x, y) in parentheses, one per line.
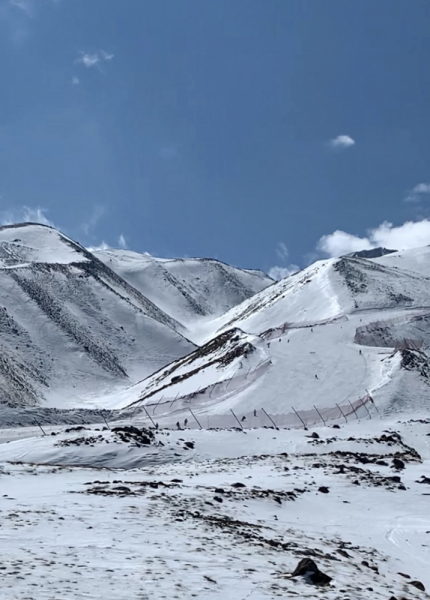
(174, 399)
(104, 419)
(276, 427)
(153, 412)
(354, 410)
(144, 408)
(342, 413)
(373, 402)
(304, 424)
(363, 403)
(320, 415)
(40, 427)
(195, 418)
(240, 424)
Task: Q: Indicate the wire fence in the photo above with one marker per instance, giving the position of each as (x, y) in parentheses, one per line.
(378, 334)
(240, 381)
(189, 419)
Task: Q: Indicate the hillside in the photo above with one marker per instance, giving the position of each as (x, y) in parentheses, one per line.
(329, 335)
(333, 288)
(69, 326)
(190, 290)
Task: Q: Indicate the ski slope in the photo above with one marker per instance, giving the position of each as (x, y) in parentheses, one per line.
(326, 290)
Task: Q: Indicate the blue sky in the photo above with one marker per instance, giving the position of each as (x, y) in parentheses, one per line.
(264, 133)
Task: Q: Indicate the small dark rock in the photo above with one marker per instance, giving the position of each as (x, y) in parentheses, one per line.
(398, 464)
(218, 499)
(323, 489)
(238, 485)
(308, 568)
(418, 585)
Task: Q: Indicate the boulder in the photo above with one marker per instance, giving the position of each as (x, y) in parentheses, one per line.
(309, 570)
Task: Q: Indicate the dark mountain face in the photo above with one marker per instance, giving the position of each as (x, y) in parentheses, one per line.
(372, 253)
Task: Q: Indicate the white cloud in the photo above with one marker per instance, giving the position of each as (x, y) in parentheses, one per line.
(93, 60)
(122, 243)
(282, 251)
(25, 214)
(75, 81)
(106, 55)
(411, 234)
(281, 272)
(102, 246)
(417, 193)
(342, 141)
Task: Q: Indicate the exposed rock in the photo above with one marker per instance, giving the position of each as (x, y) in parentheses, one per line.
(418, 585)
(308, 568)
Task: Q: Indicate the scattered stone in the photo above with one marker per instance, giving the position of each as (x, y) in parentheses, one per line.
(398, 464)
(323, 489)
(308, 569)
(238, 485)
(424, 479)
(418, 585)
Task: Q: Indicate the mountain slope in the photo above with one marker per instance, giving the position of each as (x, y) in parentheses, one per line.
(416, 260)
(329, 289)
(190, 290)
(325, 336)
(69, 326)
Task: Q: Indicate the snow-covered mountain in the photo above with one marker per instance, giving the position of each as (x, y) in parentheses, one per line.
(112, 330)
(416, 260)
(69, 326)
(190, 290)
(264, 508)
(331, 334)
(336, 287)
